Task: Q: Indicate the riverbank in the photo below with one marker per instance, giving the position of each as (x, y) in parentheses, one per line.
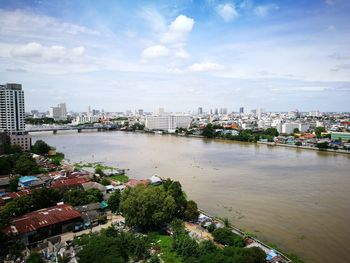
(258, 142)
(281, 195)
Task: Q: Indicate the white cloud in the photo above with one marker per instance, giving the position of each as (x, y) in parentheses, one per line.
(156, 51)
(178, 30)
(30, 50)
(206, 66)
(264, 10)
(15, 23)
(181, 53)
(37, 52)
(78, 51)
(154, 18)
(227, 11)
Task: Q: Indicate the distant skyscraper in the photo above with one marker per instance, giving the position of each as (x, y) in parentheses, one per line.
(12, 108)
(59, 112)
(200, 110)
(216, 111)
(223, 111)
(259, 113)
(140, 112)
(241, 110)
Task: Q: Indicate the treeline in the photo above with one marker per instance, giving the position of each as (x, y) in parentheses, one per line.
(206, 251)
(244, 135)
(46, 120)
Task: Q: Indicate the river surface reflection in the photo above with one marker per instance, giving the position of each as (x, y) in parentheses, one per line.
(298, 199)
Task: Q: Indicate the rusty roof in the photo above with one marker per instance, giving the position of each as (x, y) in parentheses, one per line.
(69, 182)
(42, 218)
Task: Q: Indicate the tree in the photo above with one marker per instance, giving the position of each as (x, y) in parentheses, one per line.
(322, 145)
(13, 185)
(5, 166)
(45, 197)
(114, 201)
(191, 211)
(26, 164)
(298, 143)
(185, 246)
(75, 197)
(271, 131)
(34, 258)
(105, 181)
(208, 131)
(147, 207)
(225, 236)
(296, 130)
(318, 131)
(40, 147)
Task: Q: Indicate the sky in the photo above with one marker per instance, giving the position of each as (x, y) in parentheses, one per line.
(179, 55)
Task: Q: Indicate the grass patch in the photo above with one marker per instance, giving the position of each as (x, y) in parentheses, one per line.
(121, 178)
(164, 242)
(97, 165)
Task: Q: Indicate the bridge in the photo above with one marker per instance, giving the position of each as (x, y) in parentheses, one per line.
(71, 128)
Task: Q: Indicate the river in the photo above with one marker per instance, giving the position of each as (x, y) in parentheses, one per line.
(297, 199)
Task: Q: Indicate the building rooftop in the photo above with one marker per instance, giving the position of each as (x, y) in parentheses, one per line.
(42, 218)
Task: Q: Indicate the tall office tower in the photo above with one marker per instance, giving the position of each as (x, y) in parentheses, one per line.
(89, 112)
(59, 112)
(259, 113)
(223, 111)
(12, 115)
(12, 108)
(140, 112)
(200, 110)
(216, 111)
(241, 110)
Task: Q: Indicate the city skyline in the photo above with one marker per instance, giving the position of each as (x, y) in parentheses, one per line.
(268, 54)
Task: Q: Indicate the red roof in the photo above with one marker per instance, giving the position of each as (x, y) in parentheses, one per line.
(15, 195)
(42, 218)
(69, 182)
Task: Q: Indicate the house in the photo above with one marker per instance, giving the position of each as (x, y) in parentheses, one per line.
(43, 223)
(27, 180)
(4, 181)
(69, 183)
(155, 180)
(90, 213)
(94, 185)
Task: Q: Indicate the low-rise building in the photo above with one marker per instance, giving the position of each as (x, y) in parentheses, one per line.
(23, 139)
(43, 223)
(170, 122)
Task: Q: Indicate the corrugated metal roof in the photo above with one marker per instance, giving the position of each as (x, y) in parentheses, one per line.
(69, 182)
(42, 218)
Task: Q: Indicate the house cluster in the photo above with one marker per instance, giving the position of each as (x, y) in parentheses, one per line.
(35, 226)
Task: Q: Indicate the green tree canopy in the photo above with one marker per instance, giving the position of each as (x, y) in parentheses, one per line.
(26, 164)
(40, 147)
(147, 207)
(114, 201)
(191, 211)
(225, 236)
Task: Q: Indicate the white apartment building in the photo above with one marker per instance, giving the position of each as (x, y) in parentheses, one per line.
(166, 123)
(12, 115)
(12, 108)
(288, 128)
(81, 119)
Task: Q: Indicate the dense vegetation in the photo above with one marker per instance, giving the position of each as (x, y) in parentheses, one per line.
(78, 196)
(19, 163)
(112, 246)
(245, 135)
(206, 251)
(45, 120)
(149, 207)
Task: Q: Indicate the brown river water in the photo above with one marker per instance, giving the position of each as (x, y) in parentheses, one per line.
(297, 199)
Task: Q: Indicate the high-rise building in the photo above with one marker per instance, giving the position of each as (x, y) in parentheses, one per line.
(241, 110)
(59, 112)
(12, 115)
(200, 110)
(223, 111)
(159, 111)
(216, 112)
(12, 108)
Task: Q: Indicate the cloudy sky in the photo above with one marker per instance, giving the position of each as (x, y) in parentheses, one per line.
(118, 55)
